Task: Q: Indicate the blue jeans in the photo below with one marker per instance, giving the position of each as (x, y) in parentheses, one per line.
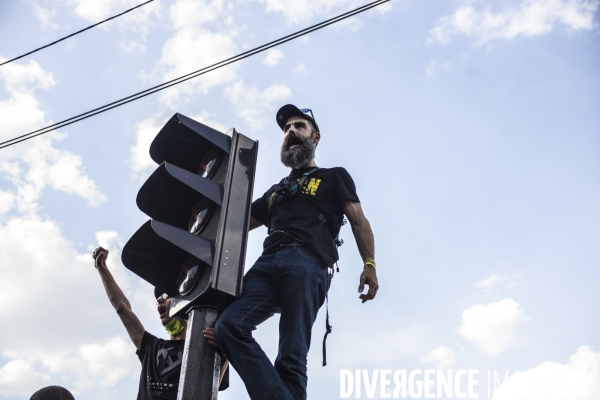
(294, 282)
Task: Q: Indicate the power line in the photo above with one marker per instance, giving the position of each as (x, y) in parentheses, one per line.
(76, 33)
(189, 76)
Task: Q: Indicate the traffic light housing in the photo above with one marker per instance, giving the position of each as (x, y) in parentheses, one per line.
(199, 200)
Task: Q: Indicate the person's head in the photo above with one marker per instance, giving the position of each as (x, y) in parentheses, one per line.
(300, 136)
(52, 393)
(163, 305)
(173, 325)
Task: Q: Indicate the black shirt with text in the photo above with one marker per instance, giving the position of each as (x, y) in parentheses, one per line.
(161, 366)
(314, 215)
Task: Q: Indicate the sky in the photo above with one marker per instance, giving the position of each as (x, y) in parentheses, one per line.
(471, 130)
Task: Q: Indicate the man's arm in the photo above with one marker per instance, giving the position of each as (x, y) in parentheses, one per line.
(117, 298)
(366, 247)
(254, 223)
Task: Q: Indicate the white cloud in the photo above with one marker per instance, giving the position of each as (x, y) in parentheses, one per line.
(488, 283)
(193, 13)
(256, 106)
(384, 8)
(491, 328)
(48, 166)
(302, 11)
(429, 68)
(71, 43)
(133, 46)
(58, 336)
(46, 17)
(35, 253)
(140, 162)
(530, 18)
(62, 171)
(61, 336)
(273, 56)
(108, 362)
(433, 66)
(25, 78)
(208, 119)
(189, 50)
(45, 164)
(441, 357)
(7, 201)
(299, 11)
(17, 377)
(352, 24)
(495, 281)
(577, 380)
(193, 46)
(138, 21)
(20, 114)
(141, 20)
(97, 10)
(300, 69)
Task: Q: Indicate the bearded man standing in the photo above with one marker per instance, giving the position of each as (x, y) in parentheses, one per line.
(303, 214)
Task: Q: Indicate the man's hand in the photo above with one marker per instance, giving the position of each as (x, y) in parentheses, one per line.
(209, 334)
(368, 277)
(100, 255)
(366, 247)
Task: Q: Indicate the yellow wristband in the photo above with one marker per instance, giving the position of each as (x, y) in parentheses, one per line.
(371, 262)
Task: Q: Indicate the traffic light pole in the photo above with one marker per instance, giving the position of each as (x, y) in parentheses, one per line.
(201, 365)
(194, 246)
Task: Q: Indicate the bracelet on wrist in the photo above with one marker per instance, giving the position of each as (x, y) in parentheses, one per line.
(371, 262)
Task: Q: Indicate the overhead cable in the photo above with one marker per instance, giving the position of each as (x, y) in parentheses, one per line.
(76, 33)
(191, 75)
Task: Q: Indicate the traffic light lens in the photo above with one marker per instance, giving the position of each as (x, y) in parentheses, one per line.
(193, 271)
(209, 163)
(199, 217)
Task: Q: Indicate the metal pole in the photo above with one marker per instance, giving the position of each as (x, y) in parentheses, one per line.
(201, 365)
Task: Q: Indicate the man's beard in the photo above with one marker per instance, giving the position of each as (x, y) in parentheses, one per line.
(301, 155)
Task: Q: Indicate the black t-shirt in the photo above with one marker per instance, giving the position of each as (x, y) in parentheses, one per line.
(314, 215)
(161, 366)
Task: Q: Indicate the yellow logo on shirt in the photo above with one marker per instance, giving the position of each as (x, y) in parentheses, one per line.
(311, 187)
(271, 198)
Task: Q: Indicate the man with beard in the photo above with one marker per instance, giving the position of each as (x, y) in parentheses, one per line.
(161, 359)
(303, 214)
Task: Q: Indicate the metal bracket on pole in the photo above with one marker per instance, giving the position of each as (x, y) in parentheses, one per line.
(201, 365)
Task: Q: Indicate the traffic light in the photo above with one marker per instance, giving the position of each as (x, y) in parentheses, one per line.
(199, 200)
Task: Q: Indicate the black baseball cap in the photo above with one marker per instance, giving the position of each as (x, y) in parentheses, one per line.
(289, 110)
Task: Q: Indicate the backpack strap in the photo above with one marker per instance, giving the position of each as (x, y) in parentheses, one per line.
(327, 326)
(284, 190)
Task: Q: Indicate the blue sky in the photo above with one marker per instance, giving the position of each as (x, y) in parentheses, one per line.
(470, 129)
